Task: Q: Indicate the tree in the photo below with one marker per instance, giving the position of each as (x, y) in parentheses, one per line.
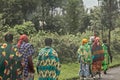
(95, 22)
(15, 11)
(46, 12)
(74, 11)
(110, 12)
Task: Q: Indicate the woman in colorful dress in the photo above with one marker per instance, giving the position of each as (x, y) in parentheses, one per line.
(84, 53)
(97, 57)
(11, 66)
(106, 61)
(48, 65)
(27, 51)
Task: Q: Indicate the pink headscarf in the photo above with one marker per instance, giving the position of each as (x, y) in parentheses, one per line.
(23, 38)
(97, 41)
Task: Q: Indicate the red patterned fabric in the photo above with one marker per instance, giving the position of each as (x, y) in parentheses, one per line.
(96, 66)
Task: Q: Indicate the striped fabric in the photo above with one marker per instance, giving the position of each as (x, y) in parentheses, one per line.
(98, 53)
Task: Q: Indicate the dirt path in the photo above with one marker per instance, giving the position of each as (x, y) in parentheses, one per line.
(112, 74)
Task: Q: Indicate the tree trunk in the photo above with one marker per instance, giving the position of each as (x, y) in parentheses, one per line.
(109, 32)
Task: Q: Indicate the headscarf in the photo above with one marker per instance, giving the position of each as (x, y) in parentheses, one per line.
(92, 38)
(96, 41)
(84, 41)
(23, 38)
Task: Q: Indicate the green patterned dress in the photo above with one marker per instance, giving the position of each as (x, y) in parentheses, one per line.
(84, 55)
(10, 62)
(48, 65)
(106, 61)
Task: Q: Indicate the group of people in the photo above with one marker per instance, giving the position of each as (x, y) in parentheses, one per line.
(93, 56)
(16, 61)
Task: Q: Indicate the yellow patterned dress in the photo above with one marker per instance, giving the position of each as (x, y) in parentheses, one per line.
(10, 62)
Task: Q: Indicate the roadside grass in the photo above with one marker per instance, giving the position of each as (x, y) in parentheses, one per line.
(69, 71)
(116, 61)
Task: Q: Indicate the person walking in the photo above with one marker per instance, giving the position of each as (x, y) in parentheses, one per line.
(84, 53)
(106, 61)
(97, 57)
(11, 66)
(27, 51)
(48, 65)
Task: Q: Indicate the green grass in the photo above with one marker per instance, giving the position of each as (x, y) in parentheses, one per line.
(116, 61)
(70, 70)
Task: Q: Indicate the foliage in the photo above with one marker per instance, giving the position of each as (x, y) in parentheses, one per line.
(25, 28)
(47, 11)
(15, 11)
(65, 45)
(110, 11)
(61, 16)
(95, 19)
(117, 21)
(115, 42)
(74, 11)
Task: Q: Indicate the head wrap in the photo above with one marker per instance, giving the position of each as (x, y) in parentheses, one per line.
(91, 38)
(84, 41)
(23, 38)
(97, 41)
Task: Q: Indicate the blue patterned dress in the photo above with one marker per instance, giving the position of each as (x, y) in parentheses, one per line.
(26, 49)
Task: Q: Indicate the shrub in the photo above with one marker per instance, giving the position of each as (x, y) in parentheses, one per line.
(25, 28)
(65, 45)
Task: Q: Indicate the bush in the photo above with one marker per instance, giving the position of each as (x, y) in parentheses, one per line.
(25, 28)
(66, 45)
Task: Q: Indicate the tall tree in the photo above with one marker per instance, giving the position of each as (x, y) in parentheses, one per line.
(46, 12)
(95, 18)
(15, 11)
(74, 11)
(110, 12)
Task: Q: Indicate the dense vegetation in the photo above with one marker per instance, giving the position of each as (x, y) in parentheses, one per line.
(67, 22)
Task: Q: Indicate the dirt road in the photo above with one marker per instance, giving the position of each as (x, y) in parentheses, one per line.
(113, 74)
